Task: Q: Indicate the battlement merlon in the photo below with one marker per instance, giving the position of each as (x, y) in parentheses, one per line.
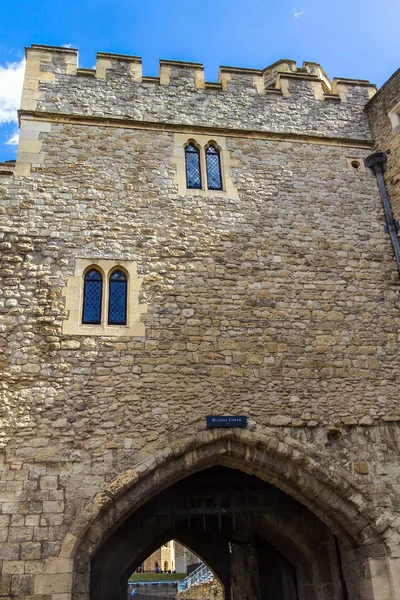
(47, 64)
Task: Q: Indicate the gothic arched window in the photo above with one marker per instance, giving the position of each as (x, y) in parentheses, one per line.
(117, 298)
(92, 295)
(193, 171)
(213, 166)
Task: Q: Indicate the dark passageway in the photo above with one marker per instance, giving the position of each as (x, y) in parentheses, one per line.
(261, 543)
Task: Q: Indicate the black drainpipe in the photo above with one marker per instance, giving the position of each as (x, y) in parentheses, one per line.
(377, 162)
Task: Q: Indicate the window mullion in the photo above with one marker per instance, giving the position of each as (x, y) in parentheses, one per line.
(203, 165)
(106, 300)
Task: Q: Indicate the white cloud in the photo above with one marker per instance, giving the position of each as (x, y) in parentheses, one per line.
(68, 46)
(11, 80)
(13, 141)
(298, 13)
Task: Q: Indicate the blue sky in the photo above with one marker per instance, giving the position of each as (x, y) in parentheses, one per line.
(358, 38)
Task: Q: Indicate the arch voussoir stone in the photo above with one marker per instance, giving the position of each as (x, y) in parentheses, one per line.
(327, 491)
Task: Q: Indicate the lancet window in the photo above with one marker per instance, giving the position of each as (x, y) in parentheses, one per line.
(205, 160)
(193, 170)
(113, 299)
(117, 298)
(213, 168)
(92, 297)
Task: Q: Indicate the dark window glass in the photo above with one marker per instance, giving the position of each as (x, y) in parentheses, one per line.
(214, 180)
(92, 292)
(193, 174)
(117, 299)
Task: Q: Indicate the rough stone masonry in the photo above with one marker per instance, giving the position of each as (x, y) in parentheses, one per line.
(276, 298)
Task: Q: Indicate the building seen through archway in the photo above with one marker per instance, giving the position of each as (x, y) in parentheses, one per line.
(170, 557)
(260, 543)
(171, 568)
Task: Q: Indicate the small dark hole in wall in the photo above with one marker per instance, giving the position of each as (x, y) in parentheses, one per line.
(355, 164)
(334, 436)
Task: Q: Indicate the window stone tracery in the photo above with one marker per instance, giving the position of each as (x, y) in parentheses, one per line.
(102, 298)
(203, 166)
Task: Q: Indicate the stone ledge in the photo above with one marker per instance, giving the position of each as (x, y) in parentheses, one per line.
(86, 73)
(7, 168)
(128, 123)
(181, 64)
(113, 56)
(61, 49)
(349, 81)
(239, 70)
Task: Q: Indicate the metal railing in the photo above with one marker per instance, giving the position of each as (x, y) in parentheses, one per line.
(199, 575)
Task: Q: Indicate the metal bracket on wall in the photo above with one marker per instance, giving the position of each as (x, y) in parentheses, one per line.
(396, 227)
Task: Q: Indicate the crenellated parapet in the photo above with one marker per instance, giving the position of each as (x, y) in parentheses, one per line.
(44, 64)
(281, 101)
(47, 64)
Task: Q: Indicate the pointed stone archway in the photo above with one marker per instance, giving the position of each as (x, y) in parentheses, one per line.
(327, 491)
(232, 520)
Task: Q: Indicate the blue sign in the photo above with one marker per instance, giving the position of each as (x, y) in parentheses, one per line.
(218, 421)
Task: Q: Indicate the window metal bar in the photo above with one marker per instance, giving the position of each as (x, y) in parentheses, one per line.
(193, 169)
(117, 298)
(213, 166)
(92, 297)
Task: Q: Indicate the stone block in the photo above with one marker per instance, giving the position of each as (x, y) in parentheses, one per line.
(52, 584)
(48, 482)
(59, 565)
(361, 467)
(4, 524)
(22, 585)
(5, 585)
(20, 534)
(9, 551)
(13, 567)
(31, 550)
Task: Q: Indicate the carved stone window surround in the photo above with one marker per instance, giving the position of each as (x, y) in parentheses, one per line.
(202, 141)
(73, 293)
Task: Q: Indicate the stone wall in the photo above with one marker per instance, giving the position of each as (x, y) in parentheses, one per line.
(383, 113)
(160, 591)
(296, 103)
(153, 560)
(184, 558)
(165, 554)
(280, 303)
(144, 596)
(212, 590)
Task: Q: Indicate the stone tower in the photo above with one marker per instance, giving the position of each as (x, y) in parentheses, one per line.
(248, 237)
